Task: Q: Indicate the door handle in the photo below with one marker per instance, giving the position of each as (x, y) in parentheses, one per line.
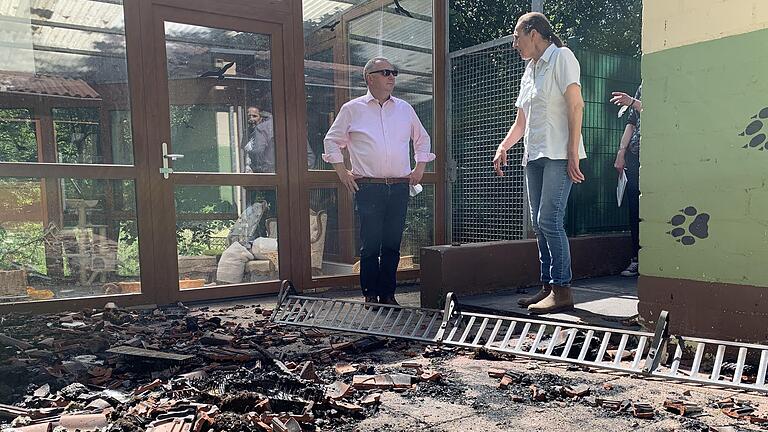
(166, 170)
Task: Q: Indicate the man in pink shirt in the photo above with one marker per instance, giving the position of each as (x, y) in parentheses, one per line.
(376, 129)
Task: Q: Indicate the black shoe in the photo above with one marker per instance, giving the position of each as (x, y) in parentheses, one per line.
(390, 301)
(371, 299)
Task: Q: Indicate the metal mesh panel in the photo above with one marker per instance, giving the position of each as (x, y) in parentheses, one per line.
(592, 205)
(484, 86)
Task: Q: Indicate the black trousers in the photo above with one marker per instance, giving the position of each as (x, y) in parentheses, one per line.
(632, 195)
(382, 209)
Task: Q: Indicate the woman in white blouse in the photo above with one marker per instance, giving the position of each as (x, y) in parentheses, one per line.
(549, 115)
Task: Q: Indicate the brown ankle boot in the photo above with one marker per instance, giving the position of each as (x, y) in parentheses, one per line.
(539, 296)
(559, 299)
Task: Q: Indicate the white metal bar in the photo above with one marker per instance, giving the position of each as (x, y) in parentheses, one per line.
(397, 320)
(510, 330)
(455, 328)
(639, 352)
(411, 313)
(569, 343)
(297, 317)
(418, 324)
(494, 333)
(523, 336)
(287, 310)
(620, 351)
(365, 316)
(740, 365)
(537, 340)
(338, 312)
(430, 326)
(760, 381)
(359, 307)
(386, 319)
(718, 363)
(553, 341)
(603, 347)
(483, 325)
(328, 311)
(585, 347)
(378, 314)
(309, 312)
(697, 359)
(314, 312)
(349, 311)
(676, 359)
(467, 330)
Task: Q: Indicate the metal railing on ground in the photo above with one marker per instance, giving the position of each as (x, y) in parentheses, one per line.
(657, 354)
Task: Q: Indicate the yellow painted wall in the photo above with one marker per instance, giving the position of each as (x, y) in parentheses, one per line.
(674, 23)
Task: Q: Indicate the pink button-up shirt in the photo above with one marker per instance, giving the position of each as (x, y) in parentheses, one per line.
(377, 137)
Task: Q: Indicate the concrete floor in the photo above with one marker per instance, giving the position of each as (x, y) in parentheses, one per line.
(604, 301)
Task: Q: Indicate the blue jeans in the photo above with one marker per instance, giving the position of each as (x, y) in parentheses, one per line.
(548, 190)
(382, 209)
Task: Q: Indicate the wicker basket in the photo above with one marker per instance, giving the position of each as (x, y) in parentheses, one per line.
(13, 283)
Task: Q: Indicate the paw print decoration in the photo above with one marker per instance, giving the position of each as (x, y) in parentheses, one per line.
(689, 225)
(756, 130)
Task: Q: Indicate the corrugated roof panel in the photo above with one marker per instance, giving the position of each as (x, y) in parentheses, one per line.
(393, 28)
(422, 7)
(315, 10)
(46, 85)
(83, 12)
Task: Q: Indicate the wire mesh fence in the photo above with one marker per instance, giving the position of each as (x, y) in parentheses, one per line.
(592, 207)
(484, 86)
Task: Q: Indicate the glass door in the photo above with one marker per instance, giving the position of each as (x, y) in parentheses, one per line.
(220, 155)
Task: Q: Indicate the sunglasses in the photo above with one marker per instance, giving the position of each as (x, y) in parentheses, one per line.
(386, 72)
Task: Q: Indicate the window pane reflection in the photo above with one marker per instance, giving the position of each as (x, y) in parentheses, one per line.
(66, 78)
(226, 235)
(65, 238)
(335, 56)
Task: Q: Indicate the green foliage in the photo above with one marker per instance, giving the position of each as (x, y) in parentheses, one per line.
(195, 237)
(18, 142)
(603, 25)
(77, 135)
(612, 26)
(419, 223)
(22, 246)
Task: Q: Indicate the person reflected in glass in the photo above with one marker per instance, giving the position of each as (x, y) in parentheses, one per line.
(259, 143)
(549, 116)
(377, 130)
(628, 160)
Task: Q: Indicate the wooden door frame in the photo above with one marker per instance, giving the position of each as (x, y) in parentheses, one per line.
(49, 171)
(141, 59)
(197, 12)
(439, 145)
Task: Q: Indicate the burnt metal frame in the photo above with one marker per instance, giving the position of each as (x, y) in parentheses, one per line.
(658, 354)
(154, 200)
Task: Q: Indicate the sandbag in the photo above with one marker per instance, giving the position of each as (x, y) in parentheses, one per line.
(232, 264)
(263, 246)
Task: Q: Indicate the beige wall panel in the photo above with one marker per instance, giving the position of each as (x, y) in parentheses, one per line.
(673, 23)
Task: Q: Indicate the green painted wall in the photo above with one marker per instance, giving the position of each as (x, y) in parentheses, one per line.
(697, 99)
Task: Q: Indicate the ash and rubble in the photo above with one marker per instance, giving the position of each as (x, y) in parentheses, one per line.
(173, 368)
(176, 369)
